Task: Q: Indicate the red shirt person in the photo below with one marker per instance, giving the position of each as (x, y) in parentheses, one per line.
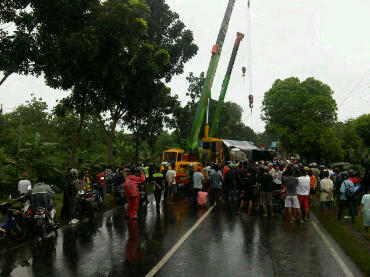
(132, 192)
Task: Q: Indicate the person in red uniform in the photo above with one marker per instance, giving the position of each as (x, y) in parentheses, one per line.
(132, 192)
(102, 183)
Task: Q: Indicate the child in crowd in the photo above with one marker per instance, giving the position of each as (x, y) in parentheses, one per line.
(202, 198)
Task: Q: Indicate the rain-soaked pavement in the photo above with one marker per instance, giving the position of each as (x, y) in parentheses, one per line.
(224, 244)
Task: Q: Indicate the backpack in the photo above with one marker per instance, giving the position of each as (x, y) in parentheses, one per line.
(349, 194)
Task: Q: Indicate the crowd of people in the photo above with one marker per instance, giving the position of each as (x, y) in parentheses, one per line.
(252, 185)
(249, 184)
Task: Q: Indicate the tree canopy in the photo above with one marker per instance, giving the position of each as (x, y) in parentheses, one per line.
(301, 114)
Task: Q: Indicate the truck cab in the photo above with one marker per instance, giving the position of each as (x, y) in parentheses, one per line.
(181, 161)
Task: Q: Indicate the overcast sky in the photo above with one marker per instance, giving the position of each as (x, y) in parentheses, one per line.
(325, 39)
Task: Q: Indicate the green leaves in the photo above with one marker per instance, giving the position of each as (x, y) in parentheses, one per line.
(300, 114)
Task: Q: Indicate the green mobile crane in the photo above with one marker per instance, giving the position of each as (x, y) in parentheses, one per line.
(192, 142)
(225, 85)
(211, 147)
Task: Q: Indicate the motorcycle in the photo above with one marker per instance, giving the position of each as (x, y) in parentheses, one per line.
(278, 197)
(89, 202)
(143, 196)
(12, 223)
(44, 222)
(42, 219)
(119, 194)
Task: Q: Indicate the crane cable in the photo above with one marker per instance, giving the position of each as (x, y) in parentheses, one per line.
(249, 54)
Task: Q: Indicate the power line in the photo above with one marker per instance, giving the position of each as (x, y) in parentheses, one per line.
(356, 86)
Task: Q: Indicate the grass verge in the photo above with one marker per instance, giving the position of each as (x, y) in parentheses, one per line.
(350, 237)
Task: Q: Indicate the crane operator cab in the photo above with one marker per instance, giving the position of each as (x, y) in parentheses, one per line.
(212, 151)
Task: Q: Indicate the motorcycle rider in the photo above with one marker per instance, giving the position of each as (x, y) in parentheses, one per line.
(102, 183)
(131, 188)
(41, 197)
(87, 181)
(70, 196)
(24, 185)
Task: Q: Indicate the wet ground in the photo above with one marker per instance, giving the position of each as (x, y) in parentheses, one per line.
(224, 244)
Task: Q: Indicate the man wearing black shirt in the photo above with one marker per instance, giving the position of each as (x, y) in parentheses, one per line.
(266, 192)
(248, 182)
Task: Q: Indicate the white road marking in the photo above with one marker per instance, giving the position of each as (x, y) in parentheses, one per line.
(178, 244)
(336, 256)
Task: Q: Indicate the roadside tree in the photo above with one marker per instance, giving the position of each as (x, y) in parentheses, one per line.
(301, 115)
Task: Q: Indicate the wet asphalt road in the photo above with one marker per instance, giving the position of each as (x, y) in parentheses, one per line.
(223, 245)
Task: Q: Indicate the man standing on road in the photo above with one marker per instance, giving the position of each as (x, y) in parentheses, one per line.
(266, 191)
(164, 173)
(291, 199)
(347, 189)
(248, 182)
(198, 179)
(157, 180)
(171, 181)
(64, 182)
(216, 185)
(303, 191)
(70, 196)
(189, 177)
(326, 196)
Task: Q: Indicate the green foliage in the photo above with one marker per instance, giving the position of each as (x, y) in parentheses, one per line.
(231, 125)
(301, 115)
(362, 128)
(18, 45)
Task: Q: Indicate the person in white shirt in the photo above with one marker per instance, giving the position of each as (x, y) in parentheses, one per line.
(278, 176)
(171, 180)
(198, 180)
(303, 191)
(326, 196)
(24, 185)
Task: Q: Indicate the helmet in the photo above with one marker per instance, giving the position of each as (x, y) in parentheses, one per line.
(73, 172)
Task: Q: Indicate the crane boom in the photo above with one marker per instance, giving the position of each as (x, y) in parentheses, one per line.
(225, 84)
(192, 142)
